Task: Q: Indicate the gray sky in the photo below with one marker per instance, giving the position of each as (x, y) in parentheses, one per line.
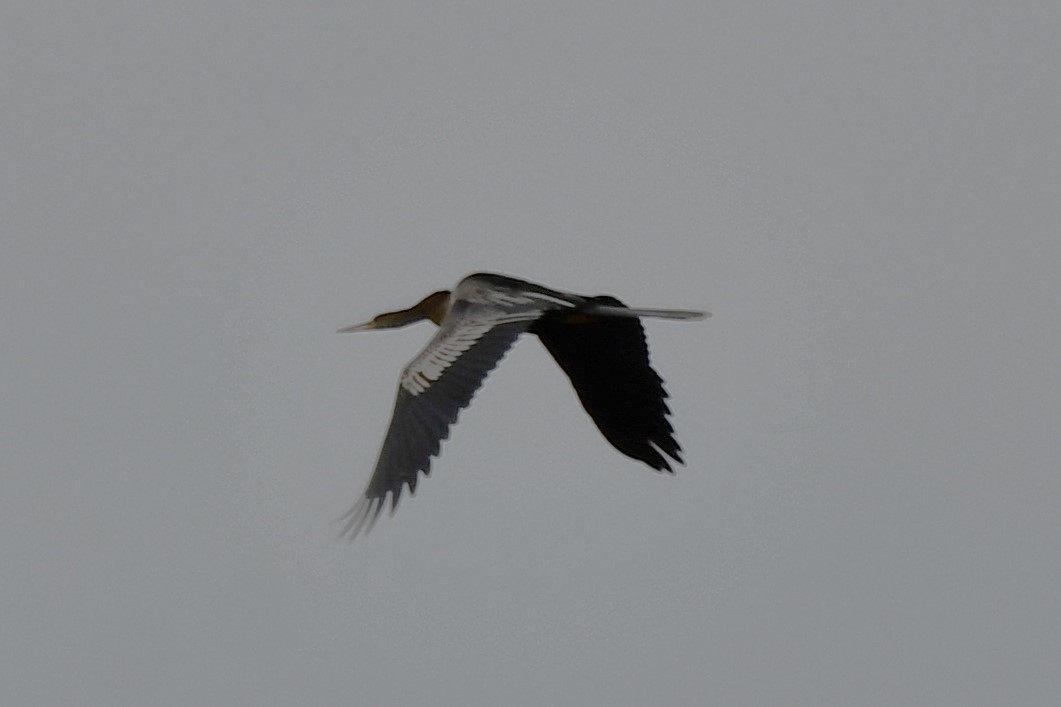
(196, 195)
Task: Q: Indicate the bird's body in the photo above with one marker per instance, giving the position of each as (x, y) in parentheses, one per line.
(597, 341)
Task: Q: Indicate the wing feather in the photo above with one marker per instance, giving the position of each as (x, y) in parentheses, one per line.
(487, 313)
(606, 359)
(425, 410)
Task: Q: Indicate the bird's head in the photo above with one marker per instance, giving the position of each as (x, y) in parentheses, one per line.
(432, 307)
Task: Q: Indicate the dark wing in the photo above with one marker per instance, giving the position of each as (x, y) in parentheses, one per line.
(434, 388)
(606, 359)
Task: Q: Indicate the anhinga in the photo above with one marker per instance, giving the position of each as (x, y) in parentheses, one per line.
(597, 341)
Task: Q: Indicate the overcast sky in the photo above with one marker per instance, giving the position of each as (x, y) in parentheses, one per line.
(196, 195)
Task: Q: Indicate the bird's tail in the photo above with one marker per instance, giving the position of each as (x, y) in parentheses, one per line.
(609, 310)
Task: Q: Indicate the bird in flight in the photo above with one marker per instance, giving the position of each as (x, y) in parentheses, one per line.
(597, 341)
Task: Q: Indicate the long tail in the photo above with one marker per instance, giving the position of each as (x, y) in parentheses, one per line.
(614, 311)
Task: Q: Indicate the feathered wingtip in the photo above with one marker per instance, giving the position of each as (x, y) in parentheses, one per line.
(358, 518)
(363, 516)
(367, 509)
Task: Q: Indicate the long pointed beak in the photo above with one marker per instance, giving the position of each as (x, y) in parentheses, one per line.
(357, 327)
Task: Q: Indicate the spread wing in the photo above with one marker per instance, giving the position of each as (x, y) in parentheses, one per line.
(487, 314)
(606, 359)
(434, 388)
